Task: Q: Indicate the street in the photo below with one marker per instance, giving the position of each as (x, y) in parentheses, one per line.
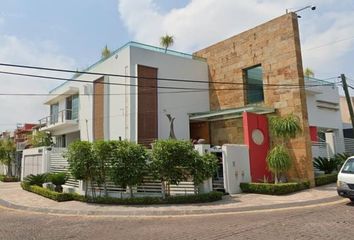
(326, 222)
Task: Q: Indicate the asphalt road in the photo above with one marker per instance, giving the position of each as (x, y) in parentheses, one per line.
(325, 222)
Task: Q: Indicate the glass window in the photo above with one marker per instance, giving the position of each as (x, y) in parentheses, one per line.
(72, 107)
(254, 85)
(349, 166)
(54, 112)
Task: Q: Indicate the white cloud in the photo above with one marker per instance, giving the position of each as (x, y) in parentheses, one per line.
(204, 22)
(15, 109)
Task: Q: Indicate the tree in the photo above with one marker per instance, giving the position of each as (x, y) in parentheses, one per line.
(102, 151)
(284, 128)
(82, 163)
(41, 139)
(7, 154)
(173, 161)
(105, 52)
(309, 73)
(166, 41)
(128, 164)
(203, 167)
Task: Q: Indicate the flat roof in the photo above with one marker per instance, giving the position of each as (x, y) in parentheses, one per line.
(137, 45)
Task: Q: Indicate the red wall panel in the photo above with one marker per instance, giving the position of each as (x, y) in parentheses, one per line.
(257, 152)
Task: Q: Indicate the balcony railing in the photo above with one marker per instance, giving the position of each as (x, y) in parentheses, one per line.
(60, 117)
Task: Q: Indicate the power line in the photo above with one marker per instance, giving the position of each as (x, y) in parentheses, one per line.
(330, 43)
(284, 86)
(122, 76)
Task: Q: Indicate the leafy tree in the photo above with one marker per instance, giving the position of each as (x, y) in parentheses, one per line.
(105, 52)
(309, 73)
(7, 154)
(128, 164)
(174, 161)
(102, 151)
(82, 162)
(284, 128)
(203, 167)
(41, 139)
(166, 41)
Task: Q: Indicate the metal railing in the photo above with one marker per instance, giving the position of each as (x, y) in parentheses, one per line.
(60, 117)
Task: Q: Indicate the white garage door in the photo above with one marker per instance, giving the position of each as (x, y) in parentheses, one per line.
(32, 165)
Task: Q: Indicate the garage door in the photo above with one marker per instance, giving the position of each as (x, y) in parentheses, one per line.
(32, 165)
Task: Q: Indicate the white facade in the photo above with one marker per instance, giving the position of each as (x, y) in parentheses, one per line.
(120, 100)
(324, 114)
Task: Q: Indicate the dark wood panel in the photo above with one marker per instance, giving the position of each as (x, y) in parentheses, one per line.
(98, 109)
(147, 104)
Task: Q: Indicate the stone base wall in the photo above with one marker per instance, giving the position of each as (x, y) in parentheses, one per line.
(275, 46)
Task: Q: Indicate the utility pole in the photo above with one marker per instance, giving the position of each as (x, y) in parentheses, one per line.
(347, 96)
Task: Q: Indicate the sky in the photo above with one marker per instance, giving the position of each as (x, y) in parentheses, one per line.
(71, 34)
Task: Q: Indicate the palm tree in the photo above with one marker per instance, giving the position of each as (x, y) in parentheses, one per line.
(309, 73)
(278, 159)
(105, 52)
(166, 41)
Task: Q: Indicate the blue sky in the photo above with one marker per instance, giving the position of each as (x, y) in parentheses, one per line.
(71, 34)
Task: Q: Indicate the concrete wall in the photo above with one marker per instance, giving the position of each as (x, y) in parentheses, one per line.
(171, 100)
(120, 106)
(274, 45)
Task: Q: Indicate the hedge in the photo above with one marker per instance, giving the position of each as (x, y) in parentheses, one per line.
(4, 178)
(325, 179)
(60, 197)
(274, 189)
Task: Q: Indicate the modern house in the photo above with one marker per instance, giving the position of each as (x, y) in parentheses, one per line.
(222, 94)
(347, 125)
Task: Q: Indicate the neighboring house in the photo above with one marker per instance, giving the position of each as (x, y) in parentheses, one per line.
(324, 113)
(347, 125)
(260, 73)
(21, 137)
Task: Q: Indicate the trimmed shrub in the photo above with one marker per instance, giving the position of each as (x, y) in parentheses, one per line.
(325, 179)
(59, 197)
(199, 198)
(274, 189)
(8, 179)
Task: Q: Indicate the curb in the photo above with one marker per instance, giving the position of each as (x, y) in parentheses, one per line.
(172, 213)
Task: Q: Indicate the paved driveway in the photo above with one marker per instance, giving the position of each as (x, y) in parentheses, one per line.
(326, 222)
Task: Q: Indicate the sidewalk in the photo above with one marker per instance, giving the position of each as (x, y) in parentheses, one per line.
(12, 196)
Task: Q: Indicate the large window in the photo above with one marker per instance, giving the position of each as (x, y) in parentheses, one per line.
(54, 113)
(72, 107)
(254, 85)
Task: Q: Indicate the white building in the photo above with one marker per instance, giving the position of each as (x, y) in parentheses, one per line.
(324, 117)
(130, 108)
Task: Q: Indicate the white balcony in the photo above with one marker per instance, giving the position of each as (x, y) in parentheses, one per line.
(63, 122)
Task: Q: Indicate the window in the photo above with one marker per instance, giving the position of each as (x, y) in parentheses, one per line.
(54, 112)
(72, 107)
(254, 85)
(349, 167)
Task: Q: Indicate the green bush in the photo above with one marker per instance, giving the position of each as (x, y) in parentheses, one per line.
(4, 178)
(274, 189)
(199, 198)
(325, 179)
(59, 197)
(58, 178)
(328, 165)
(37, 180)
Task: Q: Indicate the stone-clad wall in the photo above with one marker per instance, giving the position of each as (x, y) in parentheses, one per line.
(276, 46)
